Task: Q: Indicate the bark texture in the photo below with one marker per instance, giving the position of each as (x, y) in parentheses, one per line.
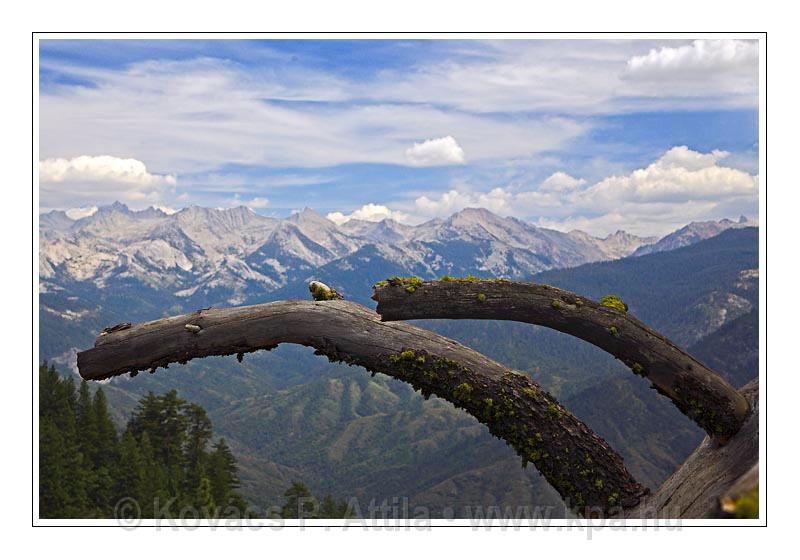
(699, 392)
(711, 474)
(581, 466)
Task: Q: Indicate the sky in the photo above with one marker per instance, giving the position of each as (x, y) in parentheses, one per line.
(599, 135)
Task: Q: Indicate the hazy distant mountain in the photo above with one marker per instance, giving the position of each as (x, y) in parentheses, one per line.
(213, 256)
(692, 233)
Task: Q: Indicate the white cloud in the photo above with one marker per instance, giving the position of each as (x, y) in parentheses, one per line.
(98, 180)
(253, 203)
(258, 202)
(78, 213)
(165, 209)
(725, 67)
(679, 175)
(577, 77)
(494, 97)
(680, 186)
(498, 200)
(370, 213)
(210, 114)
(560, 181)
(107, 169)
(438, 151)
(700, 56)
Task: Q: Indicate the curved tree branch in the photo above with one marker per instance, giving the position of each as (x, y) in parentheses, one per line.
(709, 474)
(581, 466)
(699, 392)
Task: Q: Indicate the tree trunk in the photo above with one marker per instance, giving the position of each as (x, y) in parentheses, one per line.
(699, 392)
(581, 466)
(710, 476)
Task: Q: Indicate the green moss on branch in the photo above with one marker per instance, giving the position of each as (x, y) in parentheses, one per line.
(614, 302)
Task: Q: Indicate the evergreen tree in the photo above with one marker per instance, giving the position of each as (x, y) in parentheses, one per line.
(103, 456)
(163, 419)
(161, 460)
(204, 500)
(105, 447)
(224, 481)
(62, 478)
(154, 492)
(300, 504)
(87, 431)
(198, 434)
(129, 476)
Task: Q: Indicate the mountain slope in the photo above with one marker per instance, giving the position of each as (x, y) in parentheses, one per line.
(691, 233)
(710, 283)
(723, 349)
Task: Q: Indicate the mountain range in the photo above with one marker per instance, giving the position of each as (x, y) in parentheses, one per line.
(205, 255)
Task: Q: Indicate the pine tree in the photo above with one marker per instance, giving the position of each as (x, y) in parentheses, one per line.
(300, 504)
(163, 420)
(103, 457)
(198, 435)
(106, 433)
(154, 489)
(203, 501)
(62, 477)
(225, 481)
(87, 431)
(129, 475)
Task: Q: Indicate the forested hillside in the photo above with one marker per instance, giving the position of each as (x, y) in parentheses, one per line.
(161, 464)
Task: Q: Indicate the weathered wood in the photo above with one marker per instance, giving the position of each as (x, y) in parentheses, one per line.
(699, 392)
(580, 465)
(708, 475)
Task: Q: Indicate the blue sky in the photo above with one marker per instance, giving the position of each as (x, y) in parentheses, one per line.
(642, 135)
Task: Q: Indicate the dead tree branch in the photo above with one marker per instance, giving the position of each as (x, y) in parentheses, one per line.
(581, 466)
(710, 475)
(699, 392)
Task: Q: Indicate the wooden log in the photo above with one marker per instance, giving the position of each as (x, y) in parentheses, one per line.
(581, 466)
(699, 392)
(710, 475)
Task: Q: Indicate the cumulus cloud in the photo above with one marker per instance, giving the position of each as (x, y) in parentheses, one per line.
(680, 186)
(498, 200)
(725, 67)
(96, 180)
(700, 56)
(560, 181)
(679, 175)
(107, 169)
(370, 213)
(438, 151)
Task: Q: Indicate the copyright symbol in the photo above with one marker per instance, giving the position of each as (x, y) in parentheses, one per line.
(128, 513)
